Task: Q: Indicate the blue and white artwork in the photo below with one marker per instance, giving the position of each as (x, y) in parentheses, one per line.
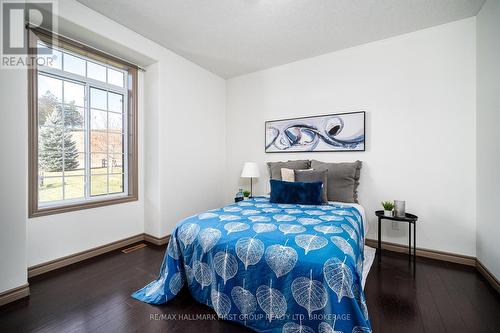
(335, 132)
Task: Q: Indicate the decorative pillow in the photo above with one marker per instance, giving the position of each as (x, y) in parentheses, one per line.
(296, 192)
(310, 176)
(343, 180)
(275, 167)
(288, 175)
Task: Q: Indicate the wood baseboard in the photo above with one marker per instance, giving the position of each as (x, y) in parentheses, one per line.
(74, 258)
(443, 256)
(488, 276)
(426, 253)
(14, 294)
(87, 254)
(155, 240)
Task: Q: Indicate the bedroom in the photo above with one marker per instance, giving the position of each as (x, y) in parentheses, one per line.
(209, 77)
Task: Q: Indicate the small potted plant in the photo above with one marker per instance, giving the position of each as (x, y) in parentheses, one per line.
(246, 194)
(388, 207)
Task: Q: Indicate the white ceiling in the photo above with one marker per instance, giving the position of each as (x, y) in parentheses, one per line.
(235, 37)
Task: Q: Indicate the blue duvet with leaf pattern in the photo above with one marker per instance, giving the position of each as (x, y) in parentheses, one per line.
(271, 267)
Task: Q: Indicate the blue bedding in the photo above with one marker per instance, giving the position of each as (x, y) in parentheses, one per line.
(271, 267)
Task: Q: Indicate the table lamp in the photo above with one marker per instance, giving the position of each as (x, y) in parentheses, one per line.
(250, 170)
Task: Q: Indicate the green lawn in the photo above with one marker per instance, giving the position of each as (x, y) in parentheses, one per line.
(52, 188)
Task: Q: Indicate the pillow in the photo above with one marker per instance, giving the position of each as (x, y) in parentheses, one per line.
(343, 180)
(310, 176)
(288, 175)
(295, 192)
(275, 167)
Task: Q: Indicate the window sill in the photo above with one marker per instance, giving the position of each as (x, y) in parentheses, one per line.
(37, 212)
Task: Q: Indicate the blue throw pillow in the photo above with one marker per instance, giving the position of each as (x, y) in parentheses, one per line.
(296, 192)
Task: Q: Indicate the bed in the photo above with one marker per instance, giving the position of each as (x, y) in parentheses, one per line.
(271, 267)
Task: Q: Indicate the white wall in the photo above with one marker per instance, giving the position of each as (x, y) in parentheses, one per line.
(192, 152)
(185, 146)
(488, 135)
(187, 104)
(419, 93)
(13, 159)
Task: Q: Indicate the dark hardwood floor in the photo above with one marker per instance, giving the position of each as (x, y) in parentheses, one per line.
(94, 296)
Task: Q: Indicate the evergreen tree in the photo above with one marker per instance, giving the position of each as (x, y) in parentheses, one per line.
(48, 103)
(52, 141)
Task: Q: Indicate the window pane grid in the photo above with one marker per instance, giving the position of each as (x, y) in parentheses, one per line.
(69, 103)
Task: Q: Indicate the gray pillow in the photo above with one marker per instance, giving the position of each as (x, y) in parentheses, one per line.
(343, 180)
(310, 176)
(275, 167)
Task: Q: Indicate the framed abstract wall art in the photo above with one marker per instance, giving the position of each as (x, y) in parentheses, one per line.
(334, 132)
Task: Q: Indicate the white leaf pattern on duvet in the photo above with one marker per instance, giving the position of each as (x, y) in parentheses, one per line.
(232, 209)
(286, 206)
(189, 274)
(353, 223)
(204, 216)
(294, 211)
(271, 210)
(225, 265)
(308, 221)
(176, 283)
(208, 238)
(339, 277)
(359, 329)
(331, 218)
(350, 231)
(326, 328)
(327, 207)
(235, 227)
(271, 301)
(249, 250)
(263, 227)
(281, 259)
(291, 228)
(259, 218)
(173, 248)
(263, 205)
(292, 327)
(250, 212)
(358, 296)
(220, 302)
(187, 233)
(357, 216)
(359, 266)
(229, 217)
(245, 204)
(202, 274)
(284, 218)
(342, 212)
(343, 245)
(244, 300)
(310, 242)
(309, 294)
(157, 286)
(328, 229)
(315, 212)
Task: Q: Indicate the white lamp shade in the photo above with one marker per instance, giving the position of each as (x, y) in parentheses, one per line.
(250, 170)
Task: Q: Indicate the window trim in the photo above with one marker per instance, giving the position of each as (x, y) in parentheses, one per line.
(34, 209)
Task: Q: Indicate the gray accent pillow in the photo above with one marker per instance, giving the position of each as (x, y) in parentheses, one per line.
(275, 167)
(343, 180)
(310, 176)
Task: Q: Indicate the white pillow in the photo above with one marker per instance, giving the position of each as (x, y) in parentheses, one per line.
(287, 175)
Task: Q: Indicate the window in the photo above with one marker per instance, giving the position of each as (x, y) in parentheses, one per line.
(83, 126)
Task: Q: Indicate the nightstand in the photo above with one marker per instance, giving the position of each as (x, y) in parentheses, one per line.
(410, 219)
